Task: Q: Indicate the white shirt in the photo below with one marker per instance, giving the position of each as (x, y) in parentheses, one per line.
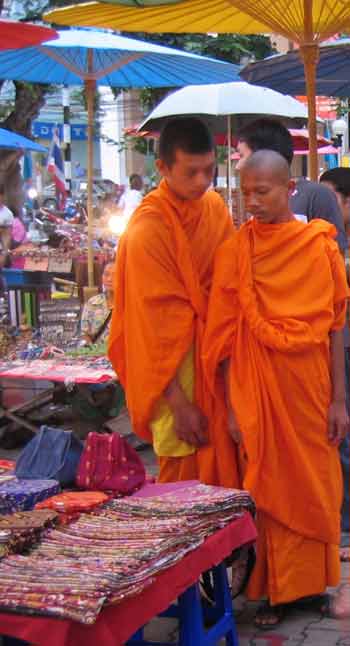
(130, 201)
(6, 217)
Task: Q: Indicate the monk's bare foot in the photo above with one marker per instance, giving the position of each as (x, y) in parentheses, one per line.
(345, 554)
(268, 616)
(339, 607)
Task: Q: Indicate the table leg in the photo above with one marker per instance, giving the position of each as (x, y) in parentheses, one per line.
(189, 612)
(191, 617)
(223, 603)
(13, 641)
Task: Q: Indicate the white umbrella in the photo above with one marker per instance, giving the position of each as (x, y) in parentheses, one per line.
(224, 100)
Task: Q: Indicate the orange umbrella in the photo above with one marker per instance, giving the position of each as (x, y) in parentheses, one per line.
(305, 22)
(14, 35)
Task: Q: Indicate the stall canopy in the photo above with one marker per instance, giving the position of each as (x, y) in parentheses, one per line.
(12, 140)
(91, 57)
(305, 22)
(23, 34)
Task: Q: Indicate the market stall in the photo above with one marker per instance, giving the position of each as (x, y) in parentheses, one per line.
(105, 580)
(62, 371)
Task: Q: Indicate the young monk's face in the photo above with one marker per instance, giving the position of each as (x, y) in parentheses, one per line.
(190, 175)
(266, 195)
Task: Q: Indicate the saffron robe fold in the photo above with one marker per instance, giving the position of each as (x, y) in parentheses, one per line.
(164, 271)
(278, 291)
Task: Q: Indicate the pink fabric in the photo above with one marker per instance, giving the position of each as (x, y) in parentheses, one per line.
(116, 624)
(19, 233)
(17, 262)
(149, 490)
(56, 370)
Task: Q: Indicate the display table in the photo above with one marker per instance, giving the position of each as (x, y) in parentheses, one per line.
(61, 372)
(118, 623)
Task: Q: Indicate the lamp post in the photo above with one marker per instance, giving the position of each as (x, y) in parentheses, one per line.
(339, 130)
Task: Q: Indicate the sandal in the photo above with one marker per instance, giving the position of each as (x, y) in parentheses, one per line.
(268, 616)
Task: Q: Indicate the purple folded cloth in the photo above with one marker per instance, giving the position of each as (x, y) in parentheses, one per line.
(22, 495)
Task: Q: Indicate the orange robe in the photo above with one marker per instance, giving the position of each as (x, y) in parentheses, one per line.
(278, 291)
(164, 272)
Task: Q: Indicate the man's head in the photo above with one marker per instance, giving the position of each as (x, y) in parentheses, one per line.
(187, 157)
(338, 180)
(136, 182)
(108, 277)
(2, 194)
(264, 134)
(266, 185)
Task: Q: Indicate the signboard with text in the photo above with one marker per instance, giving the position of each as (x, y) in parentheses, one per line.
(44, 130)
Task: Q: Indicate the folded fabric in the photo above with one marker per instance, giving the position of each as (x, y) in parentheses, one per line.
(22, 495)
(6, 467)
(22, 530)
(116, 552)
(36, 519)
(74, 501)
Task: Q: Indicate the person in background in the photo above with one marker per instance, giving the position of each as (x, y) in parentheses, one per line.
(309, 200)
(164, 272)
(275, 329)
(97, 312)
(98, 403)
(6, 223)
(338, 180)
(132, 197)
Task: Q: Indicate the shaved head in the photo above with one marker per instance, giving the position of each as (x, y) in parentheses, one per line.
(266, 186)
(268, 162)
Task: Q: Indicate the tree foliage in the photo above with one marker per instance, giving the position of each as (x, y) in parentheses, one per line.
(231, 48)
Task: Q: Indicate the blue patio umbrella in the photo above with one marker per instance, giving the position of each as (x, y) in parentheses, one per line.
(92, 57)
(13, 141)
(285, 72)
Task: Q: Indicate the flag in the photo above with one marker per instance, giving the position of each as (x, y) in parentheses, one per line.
(56, 169)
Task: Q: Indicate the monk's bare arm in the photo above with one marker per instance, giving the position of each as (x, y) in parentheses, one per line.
(338, 421)
(190, 424)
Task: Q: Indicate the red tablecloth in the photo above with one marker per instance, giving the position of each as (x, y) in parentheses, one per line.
(116, 624)
(57, 370)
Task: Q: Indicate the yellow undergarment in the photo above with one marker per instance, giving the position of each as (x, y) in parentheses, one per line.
(165, 441)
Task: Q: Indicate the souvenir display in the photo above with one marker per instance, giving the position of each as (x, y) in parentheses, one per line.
(115, 552)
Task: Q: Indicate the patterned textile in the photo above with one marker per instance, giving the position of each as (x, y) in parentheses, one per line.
(22, 495)
(6, 466)
(115, 552)
(23, 530)
(74, 501)
(94, 314)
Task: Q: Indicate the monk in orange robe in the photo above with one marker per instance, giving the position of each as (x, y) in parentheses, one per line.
(275, 320)
(164, 273)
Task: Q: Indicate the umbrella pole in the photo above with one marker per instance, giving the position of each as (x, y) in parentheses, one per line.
(310, 54)
(90, 94)
(229, 165)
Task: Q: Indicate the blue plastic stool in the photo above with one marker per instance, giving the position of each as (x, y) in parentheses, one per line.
(189, 612)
